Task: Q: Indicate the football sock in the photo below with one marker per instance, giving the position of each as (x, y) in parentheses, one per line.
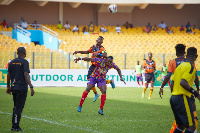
(138, 82)
(107, 81)
(142, 82)
(103, 99)
(85, 93)
(188, 131)
(177, 130)
(94, 90)
(151, 91)
(195, 119)
(144, 90)
(173, 126)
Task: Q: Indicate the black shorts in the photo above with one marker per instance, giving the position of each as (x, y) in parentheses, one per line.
(91, 69)
(182, 108)
(192, 99)
(149, 77)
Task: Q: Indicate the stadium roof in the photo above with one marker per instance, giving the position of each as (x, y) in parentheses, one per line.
(123, 5)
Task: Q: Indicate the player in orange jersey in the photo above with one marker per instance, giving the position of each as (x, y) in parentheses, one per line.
(149, 66)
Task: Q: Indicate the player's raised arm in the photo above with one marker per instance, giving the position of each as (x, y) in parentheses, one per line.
(81, 52)
(85, 59)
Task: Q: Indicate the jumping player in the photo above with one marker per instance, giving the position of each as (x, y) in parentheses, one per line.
(138, 69)
(150, 67)
(97, 51)
(98, 76)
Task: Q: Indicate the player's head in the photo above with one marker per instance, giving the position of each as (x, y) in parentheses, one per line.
(109, 60)
(180, 50)
(21, 51)
(138, 62)
(150, 55)
(99, 40)
(164, 64)
(192, 53)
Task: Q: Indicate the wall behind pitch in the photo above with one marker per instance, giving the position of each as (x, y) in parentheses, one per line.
(30, 11)
(82, 15)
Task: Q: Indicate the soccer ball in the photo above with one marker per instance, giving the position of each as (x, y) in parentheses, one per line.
(112, 8)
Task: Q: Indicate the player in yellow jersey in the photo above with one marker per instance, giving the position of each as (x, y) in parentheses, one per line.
(181, 86)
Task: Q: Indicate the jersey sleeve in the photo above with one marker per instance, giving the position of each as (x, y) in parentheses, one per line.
(9, 68)
(113, 65)
(170, 67)
(187, 73)
(144, 64)
(97, 61)
(90, 49)
(26, 67)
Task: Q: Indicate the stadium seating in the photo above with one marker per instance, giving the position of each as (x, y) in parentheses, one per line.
(134, 44)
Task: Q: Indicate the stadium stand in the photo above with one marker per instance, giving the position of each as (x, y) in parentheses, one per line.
(133, 43)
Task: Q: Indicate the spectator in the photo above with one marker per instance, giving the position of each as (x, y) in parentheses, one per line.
(5, 24)
(168, 30)
(103, 29)
(85, 31)
(34, 24)
(189, 30)
(67, 25)
(7, 65)
(24, 24)
(155, 28)
(75, 29)
(91, 23)
(128, 25)
(194, 27)
(187, 25)
(182, 28)
(22, 20)
(148, 28)
(118, 29)
(162, 25)
(59, 25)
(91, 28)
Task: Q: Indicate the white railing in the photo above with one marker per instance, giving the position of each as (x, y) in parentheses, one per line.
(23, 31)
(51, 32)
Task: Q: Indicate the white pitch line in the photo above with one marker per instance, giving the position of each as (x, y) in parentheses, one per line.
(53, 122)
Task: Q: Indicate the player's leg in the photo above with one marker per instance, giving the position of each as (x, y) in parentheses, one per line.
(102, 86)
(147, 79)
(111, 82)
(137, 78)
(85, 93)
(91, 69)
(152, 79)
(141, 79)
(175, 108)
(20, 98)
(194, 112)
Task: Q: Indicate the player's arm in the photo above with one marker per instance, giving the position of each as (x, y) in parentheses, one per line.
(81, 52)
(187, 76)
(120, 74)
(154, 66)
(27, 76)
(161, 70)
(8, 91)
(196, 81)
(85, 59)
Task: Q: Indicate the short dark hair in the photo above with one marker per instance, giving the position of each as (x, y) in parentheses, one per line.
(180, 48)
(110, 57)
(191, 51)
(101, 37)
(21, 50)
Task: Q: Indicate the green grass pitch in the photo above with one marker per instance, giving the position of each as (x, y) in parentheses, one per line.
(53, 110)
